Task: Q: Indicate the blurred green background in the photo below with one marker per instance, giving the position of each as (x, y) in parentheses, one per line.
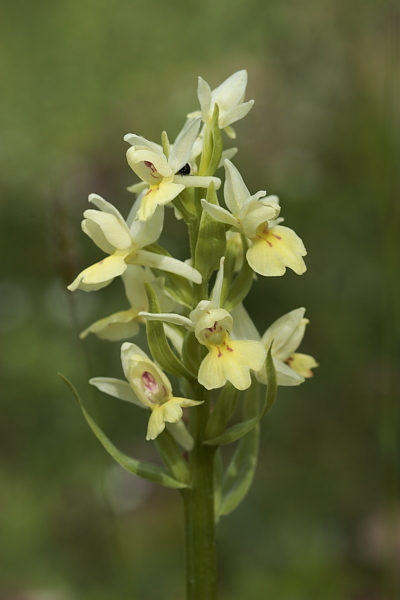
(322, 520)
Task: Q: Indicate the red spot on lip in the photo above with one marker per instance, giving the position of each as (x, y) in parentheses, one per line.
(230, 349)
(277, 236)
(149, 381)
(150, 165)
(101, 262)
(152, 168)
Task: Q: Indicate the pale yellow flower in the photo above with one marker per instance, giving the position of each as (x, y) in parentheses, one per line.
(273, 246)
(125, 323)
(227, 359)
(228, 96)
(147, 387)
(125, 245)
(287, 333)
(162, 179)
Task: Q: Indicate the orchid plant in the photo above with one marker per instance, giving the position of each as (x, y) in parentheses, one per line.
(198, 329)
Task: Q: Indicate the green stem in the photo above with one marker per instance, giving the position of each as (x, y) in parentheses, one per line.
(201, 576)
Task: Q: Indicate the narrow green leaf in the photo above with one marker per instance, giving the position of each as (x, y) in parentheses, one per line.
(192, 353)
(158, 343)
(185, 204)
(211, 240)
(179, 289)
(148, 471)
(242, 283)
(223, 410)
(177, 286)
(217, 145)
(218, 474)
(240, 473)
(172, 457)
(233, 433)
(181, 434)
(206, 154)
(272, 384)
(239, 430)
(165, 143)
(229, 270)
(187, 214)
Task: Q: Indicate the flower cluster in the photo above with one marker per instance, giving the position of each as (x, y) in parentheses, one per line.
(197, 331)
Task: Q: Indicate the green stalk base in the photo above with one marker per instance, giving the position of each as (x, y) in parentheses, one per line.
(200, 540)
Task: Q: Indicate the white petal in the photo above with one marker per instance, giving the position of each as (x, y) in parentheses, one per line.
(228, 153)
(230, 132)
(180, 151)
(105, 206)
(197, 181)
(217, 290)
(287, 333)
(167, 263)
(173, 318)
(145, 233)
(134, 279)
(235, 114)
(117, 388)
(235, 191)
(243, 326)
(198, 312)
(118, 326)
(138, 140)
(204, 96)
(95, 233)
(116, 233)
(174, 337)
(255, 197)
(197, 149)
(220, 214)
(231, 91)
(194, 114)
(284, 374)
(135, 207)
